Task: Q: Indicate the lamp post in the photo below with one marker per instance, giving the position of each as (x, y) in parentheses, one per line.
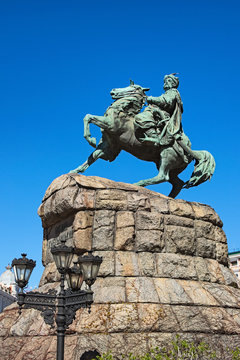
(67, 301)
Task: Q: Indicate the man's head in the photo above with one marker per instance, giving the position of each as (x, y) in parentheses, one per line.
(170, 81)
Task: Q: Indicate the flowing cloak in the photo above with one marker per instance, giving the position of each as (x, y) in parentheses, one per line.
(174, 125)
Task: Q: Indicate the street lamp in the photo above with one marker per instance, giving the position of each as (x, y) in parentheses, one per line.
(67, 301)
(22, 270)
(90, 266)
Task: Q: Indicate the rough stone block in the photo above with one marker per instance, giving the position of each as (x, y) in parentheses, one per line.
(206, 248)
(61, 229)
(170, 291)
(220, 235)
(104, 218)
(147, 264)
(222, 294)
(85, 199)
(26, 324)
(234, 313)
(202, 269)
(83, 220)
(126, 343)
(124, 219)
(220, 321)
(112, 199)
(89, 182)
(97, 341)
(229, 277)
(7, 319)
(206, 213)
(204, 229)
(123, 317)
(60, 182)
(181, 208)
(179, 239)
(215, 272)
(176, 266)
(137, 201)
(166, 319)
(37, 348)
(82, 240)
(125, 238)
(44, 252)
(109, 290)
(149, 240)
(103, 238)
(235, 292)
(222, 253)
(50, 274)
(154, 340)
(178, 221)
(126, 263)
(152, 317)
(107, 267)
(146, 220)
(141, 289)
(69, 199)
(197, 294)
(159, 204)
(96, 321)
(190, 318)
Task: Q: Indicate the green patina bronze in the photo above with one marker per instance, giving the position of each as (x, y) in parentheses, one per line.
(155, 134)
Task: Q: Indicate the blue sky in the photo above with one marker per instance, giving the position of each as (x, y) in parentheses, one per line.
(60, 59)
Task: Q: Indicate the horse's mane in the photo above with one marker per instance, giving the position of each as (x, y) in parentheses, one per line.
(131, 105)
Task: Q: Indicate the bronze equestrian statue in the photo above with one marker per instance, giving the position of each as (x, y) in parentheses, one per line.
(155, 134)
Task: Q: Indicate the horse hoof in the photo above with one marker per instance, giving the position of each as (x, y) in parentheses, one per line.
(139, 183)
(75, 171)
(93, 142)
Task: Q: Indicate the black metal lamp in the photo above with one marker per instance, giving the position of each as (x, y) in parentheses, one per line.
(22, 268)
(90, 266)
(75, 277)
(62, 256)
(69, 300)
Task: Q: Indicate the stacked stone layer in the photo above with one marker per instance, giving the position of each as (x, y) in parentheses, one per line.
(164, 271)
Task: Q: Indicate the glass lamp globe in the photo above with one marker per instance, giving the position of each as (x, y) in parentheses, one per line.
(23, 268)
(62, 256)
(90, 266)
(75, 277)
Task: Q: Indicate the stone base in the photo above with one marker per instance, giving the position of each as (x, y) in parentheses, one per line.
(164, 272)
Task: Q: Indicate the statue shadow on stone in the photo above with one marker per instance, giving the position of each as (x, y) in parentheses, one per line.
(154, 134)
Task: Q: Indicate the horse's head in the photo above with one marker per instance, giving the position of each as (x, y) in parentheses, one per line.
(131, 90)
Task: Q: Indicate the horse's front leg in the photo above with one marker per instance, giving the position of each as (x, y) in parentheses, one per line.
(101, 121)
(91, 159)
(86, 121)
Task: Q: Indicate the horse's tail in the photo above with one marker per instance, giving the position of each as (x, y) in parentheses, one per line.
(203, 169)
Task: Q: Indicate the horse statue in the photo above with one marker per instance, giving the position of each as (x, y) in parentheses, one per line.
(119, 133)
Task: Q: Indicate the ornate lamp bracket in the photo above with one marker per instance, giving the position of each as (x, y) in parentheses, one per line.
(44, 302)
(76, 300)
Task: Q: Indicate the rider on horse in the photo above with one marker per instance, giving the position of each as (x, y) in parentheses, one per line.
(160, 122)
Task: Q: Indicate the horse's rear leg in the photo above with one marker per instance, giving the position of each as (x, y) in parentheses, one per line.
(91, 159)
(177, 185)
(162, 176)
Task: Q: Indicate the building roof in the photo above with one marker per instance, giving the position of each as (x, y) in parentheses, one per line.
(7, 277)
(234, 252)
